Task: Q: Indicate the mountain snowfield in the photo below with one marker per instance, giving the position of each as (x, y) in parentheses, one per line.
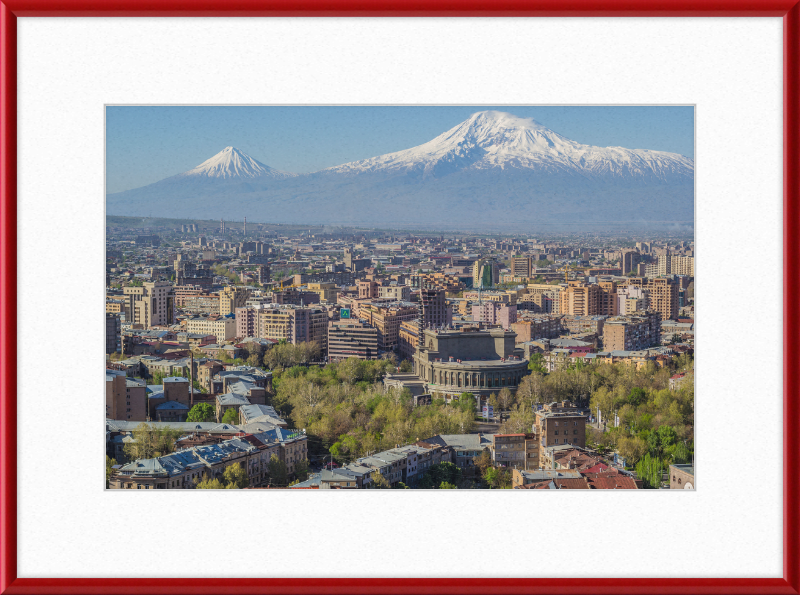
(493, 139)
(233, 163)
(492, 170)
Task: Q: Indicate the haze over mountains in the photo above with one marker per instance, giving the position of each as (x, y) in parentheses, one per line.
(492, 171)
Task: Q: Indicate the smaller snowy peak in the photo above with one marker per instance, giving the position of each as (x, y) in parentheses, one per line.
(232, 163)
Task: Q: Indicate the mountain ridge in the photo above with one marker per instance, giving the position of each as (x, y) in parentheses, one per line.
(492, 164)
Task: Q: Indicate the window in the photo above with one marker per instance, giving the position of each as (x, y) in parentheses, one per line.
(679, 481)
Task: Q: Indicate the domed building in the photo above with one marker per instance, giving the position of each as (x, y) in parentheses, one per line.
(470, 359)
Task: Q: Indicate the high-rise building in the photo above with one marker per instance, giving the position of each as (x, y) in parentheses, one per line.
(662, 294)
(151, 304)
(113, 332)
(580, 299)
(522, 266)
(435, 312)
(632, 299)
(628, 261)
(386, 318)
(231, 298)
(485, 273)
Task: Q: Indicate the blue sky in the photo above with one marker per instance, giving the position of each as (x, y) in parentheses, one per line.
(147, 144)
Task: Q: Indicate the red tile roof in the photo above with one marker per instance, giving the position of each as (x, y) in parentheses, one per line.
(571, 484)
(613, 482)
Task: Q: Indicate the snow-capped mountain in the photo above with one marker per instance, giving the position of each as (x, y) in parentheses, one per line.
(492, 170)
(493, 139)
(231, 163)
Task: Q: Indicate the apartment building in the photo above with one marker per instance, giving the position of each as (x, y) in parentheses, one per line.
(126, 398)
(662, 294)
(327, 292)
(632, 299)
(351, 338)
(386, 318)
(224, 329)
(669, 264)
(231, 298)
(632, 332)
(537, 327)
(400, 293)
(292, 323)
(495, 313)
(150, 305)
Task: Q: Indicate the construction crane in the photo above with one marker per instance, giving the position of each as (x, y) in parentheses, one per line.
(567, 268)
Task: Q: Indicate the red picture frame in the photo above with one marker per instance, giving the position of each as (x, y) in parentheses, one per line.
(789, 10)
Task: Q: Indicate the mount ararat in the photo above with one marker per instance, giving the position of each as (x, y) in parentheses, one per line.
(494, 170)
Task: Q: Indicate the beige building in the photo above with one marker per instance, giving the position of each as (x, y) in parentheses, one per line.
(386, 318)
(292, 323)
(231, 298)
(662, 294)
(224, 329)
(150, 305)
(328, 292)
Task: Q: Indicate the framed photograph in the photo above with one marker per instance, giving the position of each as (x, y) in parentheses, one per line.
(345, 248)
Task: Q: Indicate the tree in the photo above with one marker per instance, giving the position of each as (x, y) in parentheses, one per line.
(109, 468)
(278, 475)
(649, 470)
(209, 484)
(536, 363)
(447, 486)
(301, 470)
(405, 366)
(231, 417)
(493, 402)
(151, 442)
(632, 448)
(466, 402)
(637, 396)
(201, 412)
(236, 476)
(498, 478)
(378, 480)
(505, 397)
(483, 461)
(350, 370)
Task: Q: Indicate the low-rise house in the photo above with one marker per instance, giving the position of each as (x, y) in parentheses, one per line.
(229, 401)
(521, 478)
(260, 413)
(171, 411)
